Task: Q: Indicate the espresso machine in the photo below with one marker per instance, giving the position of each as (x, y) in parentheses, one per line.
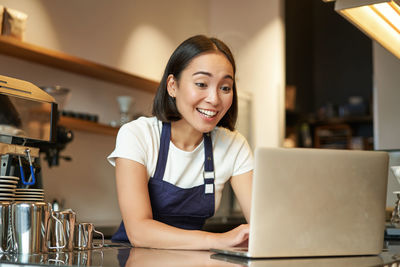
(28, 126)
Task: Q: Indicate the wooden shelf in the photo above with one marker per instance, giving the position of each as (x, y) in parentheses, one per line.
(87, 126)
(56, 59)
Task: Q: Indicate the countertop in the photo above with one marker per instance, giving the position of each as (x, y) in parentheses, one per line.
(119, 254)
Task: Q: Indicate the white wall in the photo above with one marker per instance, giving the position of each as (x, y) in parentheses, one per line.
(138, 36)
(387, 111)
(255, 32)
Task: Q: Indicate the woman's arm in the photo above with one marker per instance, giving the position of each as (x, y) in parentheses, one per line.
(143, 231)
(241, 185)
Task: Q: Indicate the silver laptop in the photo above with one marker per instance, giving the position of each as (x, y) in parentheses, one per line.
(316, 202)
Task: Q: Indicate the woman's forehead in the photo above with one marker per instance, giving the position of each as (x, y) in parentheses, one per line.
(211, 61)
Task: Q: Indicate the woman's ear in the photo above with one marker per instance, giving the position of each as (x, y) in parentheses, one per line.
(171, 85)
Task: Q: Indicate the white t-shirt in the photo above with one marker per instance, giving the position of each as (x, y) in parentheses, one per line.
(139, 140)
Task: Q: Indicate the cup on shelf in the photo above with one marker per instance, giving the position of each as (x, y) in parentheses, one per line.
(125, 103)
(60, 94)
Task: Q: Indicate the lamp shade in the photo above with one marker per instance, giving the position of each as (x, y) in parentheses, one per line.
(379, 19)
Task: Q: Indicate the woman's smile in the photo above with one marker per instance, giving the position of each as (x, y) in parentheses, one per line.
(208, 113)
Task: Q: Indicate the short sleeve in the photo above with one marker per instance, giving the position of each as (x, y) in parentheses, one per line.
(130, 144)
(244, 161)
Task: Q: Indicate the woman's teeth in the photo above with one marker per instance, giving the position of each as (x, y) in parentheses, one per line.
(207, 113)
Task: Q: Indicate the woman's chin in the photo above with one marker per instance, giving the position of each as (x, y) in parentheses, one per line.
(206, 128)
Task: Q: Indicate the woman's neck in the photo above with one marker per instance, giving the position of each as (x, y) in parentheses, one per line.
(184, 136)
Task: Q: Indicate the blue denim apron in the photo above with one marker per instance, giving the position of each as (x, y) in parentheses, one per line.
(185, 208)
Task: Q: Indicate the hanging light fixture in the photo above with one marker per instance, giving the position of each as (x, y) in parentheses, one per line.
(379, 19)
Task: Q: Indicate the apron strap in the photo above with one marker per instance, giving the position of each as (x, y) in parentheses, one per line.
(208, 173)
(163, 152)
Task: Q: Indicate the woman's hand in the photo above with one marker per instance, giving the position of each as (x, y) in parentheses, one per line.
(233, 238)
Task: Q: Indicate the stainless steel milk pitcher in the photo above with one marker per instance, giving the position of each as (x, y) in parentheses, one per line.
(30, 228)
(83, 238)
(5, 226)
(67, 218)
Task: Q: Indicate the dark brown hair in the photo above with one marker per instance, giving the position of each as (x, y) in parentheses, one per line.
(164, 107)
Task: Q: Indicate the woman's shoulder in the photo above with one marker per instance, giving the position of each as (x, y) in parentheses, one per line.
(141, 123)
(141, 126)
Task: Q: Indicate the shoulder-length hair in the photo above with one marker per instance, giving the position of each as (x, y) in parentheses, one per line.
(164, 107)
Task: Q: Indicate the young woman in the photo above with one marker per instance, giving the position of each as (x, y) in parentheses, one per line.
(171, 168)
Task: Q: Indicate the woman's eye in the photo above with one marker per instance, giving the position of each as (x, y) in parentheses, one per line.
(226, 88)
(201, 85)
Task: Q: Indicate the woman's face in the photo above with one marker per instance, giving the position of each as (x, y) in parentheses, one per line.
(204, 91)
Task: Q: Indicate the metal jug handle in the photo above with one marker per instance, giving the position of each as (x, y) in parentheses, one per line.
(10, 238)
(11, 234)
(100, 245)
(57, 237)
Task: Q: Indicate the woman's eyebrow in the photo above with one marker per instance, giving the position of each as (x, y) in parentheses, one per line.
(202, 72)
(210, 75)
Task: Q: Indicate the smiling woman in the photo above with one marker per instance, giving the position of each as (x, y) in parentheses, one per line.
(202, 97)
(171, 168)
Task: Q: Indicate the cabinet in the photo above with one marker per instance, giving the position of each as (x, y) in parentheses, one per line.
(343, 133)
(63, 61)
(333, 136)
(350, 132)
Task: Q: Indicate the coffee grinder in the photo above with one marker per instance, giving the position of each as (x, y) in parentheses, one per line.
(28, 125)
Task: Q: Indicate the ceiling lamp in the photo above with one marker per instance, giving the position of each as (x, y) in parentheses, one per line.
(379, 19)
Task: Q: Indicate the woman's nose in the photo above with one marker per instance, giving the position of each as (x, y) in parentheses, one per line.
(213, 96)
